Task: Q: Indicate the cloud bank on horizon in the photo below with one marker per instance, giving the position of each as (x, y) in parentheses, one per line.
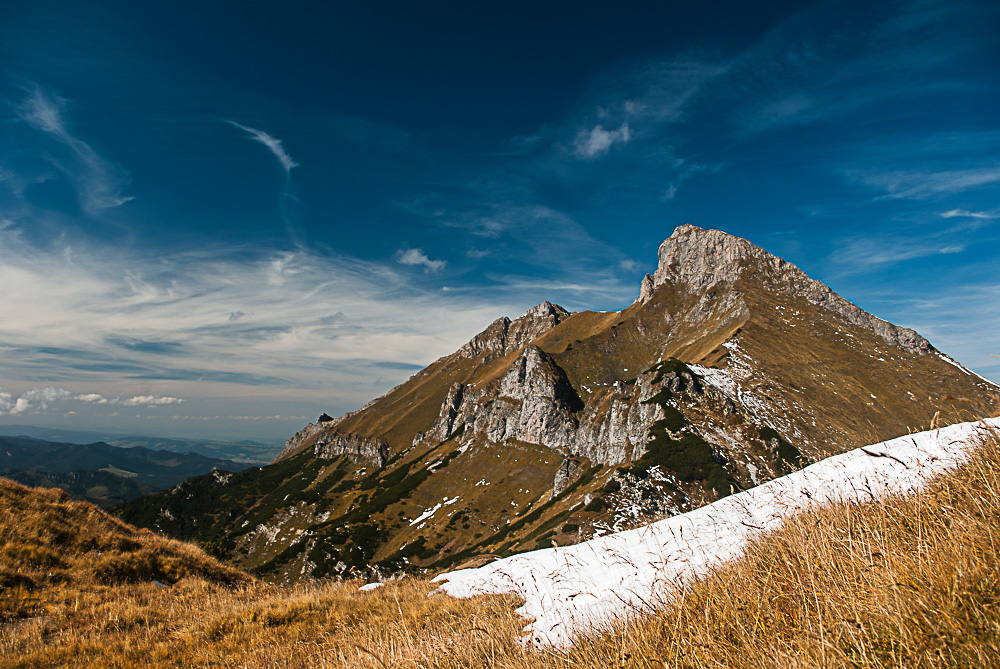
(436, 174)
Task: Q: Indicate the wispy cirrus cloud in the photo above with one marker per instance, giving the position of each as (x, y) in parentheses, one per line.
(922, 185)
(104, 322)
(869, 252)
(965, 213)
(508, 241)
(100, 184)
(272, 143)
(942, 314)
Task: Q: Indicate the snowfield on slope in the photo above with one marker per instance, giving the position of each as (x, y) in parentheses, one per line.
(572, 589)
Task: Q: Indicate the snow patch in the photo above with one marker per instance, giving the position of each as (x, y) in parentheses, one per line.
(572, 589)
(431, 511)
(966, 369)
(719, 379)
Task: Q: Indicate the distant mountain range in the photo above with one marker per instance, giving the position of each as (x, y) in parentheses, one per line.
(99, 472)
(249, 452)
(731, 368)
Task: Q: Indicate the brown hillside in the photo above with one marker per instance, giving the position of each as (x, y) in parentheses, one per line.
(50, 544)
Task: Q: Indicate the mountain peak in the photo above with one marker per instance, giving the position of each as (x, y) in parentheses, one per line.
(504, 335)
(700, 259)
(546, 310)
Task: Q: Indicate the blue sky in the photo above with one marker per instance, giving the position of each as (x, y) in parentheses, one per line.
(220, 219)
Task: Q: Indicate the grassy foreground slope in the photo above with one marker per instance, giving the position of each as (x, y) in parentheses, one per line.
(907, 582)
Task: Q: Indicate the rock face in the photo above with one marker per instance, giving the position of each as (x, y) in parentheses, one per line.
(300, 437)
(535, 403)
(328, 443)
(373, 450)
(567, 471)
(702, 259)
(504, 335)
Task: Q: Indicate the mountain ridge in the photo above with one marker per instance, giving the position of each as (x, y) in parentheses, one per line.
(732, 367)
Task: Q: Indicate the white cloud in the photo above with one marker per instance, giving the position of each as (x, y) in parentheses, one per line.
(150, 401)
(99, 183)
(92, 398)
(36, 399)
(45, 113)
(965, 213)
(597, 141)
(418, 257)
(272, 143)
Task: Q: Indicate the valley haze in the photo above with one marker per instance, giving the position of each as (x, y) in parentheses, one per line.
(297, 211)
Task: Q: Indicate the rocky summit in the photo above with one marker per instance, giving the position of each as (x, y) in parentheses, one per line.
(731, 367)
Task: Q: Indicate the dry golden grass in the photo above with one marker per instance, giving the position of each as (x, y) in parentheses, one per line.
(49, 543)
(909, 582)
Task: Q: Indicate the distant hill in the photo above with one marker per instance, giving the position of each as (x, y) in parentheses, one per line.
(99, 472)
(250, 452)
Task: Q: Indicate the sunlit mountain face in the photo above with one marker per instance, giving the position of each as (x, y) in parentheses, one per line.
(730, 369)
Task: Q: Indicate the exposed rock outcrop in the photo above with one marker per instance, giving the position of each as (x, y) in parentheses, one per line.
(532, 402)
(330, 445)
(299, 438)
(567, 471)
(449, 412)
(702, 259)
(535, 403)
(504, 335)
